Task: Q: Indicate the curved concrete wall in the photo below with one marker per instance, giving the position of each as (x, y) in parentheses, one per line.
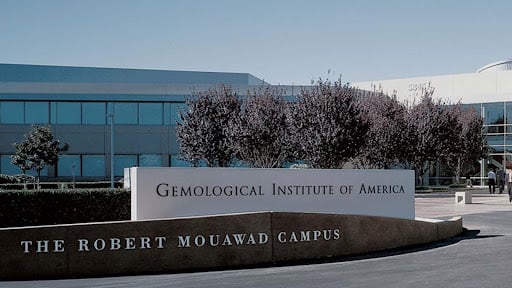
(202, 243)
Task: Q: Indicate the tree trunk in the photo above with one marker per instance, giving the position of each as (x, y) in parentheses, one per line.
(38, 179)
(457, 171)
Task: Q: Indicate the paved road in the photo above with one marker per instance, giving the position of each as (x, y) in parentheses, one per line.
(481, 257)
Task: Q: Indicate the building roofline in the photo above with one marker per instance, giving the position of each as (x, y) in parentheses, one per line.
(159, 75)
(493, 65)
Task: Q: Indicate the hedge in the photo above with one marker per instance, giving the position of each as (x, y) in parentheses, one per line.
(57, 185)
(49, 207)
(18, 178)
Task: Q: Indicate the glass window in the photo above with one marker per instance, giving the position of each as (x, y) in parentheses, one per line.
(93, 113)
(93, 165)
(33, 172)
(177, 162)
(495, 140)
(53, 114)
(69, 165)
(176, 108)
(167, 113)
(493, 129)
(496, 149)
(509, 113)
(110, 110)
(493, 113)
(147, 160)
(37, 112)
(499, 140)
(150, 113)
(12, 112)
(125, 113)
(123, 161)
(6, 167)
(10, 169)
(66, 113)
(475, 107)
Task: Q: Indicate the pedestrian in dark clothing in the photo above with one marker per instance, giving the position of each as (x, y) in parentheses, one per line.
(468, 181)
(500, 178)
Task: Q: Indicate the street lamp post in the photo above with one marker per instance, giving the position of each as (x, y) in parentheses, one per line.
(73, 174)
(111, 116)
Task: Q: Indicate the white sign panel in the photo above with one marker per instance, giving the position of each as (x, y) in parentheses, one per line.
(181, 192)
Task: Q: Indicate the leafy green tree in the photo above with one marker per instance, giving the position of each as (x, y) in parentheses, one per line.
(203, 130)
(38, 150)
(21, 158)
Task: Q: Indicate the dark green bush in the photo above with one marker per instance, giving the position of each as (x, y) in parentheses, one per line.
(7, 179)
(104, 184)
(57, 185)
(458, 186)
(17, 186)
(49, 207)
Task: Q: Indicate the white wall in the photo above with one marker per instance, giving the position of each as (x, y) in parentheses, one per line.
(487, 86)
(156, 192)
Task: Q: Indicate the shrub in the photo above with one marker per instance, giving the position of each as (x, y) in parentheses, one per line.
(50, 206)
(299, 166)
(455, 186)
(423, 189)
(24, 178)
(7, 179)
(16, 185)
(104, 184)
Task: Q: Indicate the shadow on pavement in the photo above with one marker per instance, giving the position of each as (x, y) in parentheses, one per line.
(465, 235)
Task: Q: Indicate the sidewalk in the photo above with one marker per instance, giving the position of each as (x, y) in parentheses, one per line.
(442, 204)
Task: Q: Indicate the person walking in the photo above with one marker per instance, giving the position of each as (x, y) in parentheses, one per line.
(500, 178)
(491, 180)
(508, 181)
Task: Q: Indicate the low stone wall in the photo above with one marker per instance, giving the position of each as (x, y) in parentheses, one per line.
(202, 243)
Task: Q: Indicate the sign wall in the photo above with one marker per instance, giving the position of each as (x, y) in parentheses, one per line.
(183, 192)
(203, 243)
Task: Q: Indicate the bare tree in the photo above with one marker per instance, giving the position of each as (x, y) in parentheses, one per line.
(260, 135)
(327, 125)
(202, 131)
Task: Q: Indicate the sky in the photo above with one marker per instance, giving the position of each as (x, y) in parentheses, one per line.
(280, 41)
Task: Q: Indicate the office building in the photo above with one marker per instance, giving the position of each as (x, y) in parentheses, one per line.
(488, 90)
(80, 104)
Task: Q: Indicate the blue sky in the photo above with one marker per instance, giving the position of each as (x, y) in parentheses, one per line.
(282, 42)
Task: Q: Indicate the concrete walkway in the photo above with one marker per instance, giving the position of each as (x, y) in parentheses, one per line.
(442, 204)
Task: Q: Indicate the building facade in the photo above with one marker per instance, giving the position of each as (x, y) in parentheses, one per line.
(488, 91)
(79, 103)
